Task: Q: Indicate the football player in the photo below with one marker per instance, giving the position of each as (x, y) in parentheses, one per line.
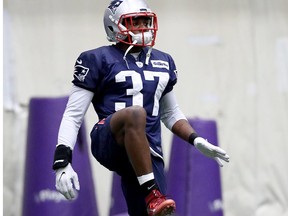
(131, 88)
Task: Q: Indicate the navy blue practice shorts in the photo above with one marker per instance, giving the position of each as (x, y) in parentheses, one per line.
(114, 157)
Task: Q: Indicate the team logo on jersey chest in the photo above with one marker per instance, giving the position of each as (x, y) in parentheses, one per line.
(80, 72)
(160, 64)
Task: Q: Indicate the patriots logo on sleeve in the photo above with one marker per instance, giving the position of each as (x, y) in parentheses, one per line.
(80, 72)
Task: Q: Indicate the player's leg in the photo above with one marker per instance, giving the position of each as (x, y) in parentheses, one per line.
(114, 157)
(133, 194)
(120, 140)
(132, 191)
(109, 148)
(129, 129)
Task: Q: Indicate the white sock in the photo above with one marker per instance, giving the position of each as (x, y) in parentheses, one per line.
(144, 178)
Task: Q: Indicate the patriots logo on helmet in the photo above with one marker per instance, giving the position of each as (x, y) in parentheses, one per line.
(114, 5)
(80, 72)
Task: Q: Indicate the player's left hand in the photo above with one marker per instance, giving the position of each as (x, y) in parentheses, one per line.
(211, 151)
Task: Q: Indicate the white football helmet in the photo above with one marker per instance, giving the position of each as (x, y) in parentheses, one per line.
(120, 13)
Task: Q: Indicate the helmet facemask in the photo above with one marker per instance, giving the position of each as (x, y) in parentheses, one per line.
(138, 29)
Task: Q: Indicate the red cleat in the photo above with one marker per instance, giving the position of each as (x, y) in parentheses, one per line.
(158, 205)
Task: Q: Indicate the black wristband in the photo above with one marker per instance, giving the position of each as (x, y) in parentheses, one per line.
(192, 137)
(62, 157)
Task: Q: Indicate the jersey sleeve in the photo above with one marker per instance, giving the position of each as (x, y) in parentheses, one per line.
(173, 76)
(78, 103)
(87, 71)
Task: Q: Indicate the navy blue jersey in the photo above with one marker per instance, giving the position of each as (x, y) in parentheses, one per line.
(117, 83)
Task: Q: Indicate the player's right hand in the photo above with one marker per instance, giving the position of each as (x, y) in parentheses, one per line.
(67, 182)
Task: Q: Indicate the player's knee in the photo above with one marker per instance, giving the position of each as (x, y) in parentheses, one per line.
(136, 115)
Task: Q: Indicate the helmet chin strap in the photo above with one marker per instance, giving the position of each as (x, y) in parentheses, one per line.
(127, 50)
(135, 38)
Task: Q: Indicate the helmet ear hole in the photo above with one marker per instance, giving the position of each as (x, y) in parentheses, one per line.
(111, 28)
